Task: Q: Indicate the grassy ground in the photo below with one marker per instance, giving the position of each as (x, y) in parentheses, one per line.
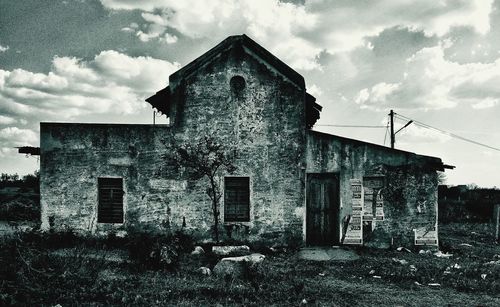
(32, 275)
(19, 204)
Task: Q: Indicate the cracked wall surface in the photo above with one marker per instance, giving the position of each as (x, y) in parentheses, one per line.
(410, 185)
(264, 120)
(239, 100)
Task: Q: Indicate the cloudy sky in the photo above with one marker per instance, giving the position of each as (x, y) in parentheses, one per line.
(436, 61)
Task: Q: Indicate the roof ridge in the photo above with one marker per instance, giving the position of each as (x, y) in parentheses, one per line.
(231, 42)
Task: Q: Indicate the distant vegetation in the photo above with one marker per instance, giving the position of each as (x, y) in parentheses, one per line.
(467, 203)
(20, 197)
(30, 181)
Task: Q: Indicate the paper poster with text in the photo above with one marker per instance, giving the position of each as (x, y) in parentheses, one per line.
(379, 207)
(354, 233)
(368, 204)
(426, 236)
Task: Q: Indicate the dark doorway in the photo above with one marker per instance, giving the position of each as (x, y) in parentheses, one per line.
(322, 202)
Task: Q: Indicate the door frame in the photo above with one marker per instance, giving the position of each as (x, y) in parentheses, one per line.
(336, 176)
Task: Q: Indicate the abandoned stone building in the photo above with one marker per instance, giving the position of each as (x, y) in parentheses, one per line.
(292, 185)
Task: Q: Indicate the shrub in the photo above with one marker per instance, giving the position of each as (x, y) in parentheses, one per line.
(153, 251)
(21, 208)
(32, 275)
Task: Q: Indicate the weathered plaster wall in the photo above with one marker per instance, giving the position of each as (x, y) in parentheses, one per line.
(266, 123)
(410, 192)
(73, 156)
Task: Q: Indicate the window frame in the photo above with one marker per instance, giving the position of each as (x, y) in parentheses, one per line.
(102, 185)
(247, 218)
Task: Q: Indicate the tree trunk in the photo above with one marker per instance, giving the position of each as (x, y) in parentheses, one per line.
(215, 210)
(216, 223)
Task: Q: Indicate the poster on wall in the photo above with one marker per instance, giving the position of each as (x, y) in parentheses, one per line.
(367, 204)
(379, 207)
(375, 182)
(354, 232)
(426, 236)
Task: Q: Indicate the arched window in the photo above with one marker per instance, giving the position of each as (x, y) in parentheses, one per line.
(237, 84)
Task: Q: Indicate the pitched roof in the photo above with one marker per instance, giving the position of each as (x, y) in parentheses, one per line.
(432, 162)
(233, 42)
(161, 100)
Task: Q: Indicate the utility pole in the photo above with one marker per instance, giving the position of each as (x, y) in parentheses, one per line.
(393, 137)
(393, 134)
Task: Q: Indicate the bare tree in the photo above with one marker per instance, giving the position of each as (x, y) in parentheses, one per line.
(205, 158)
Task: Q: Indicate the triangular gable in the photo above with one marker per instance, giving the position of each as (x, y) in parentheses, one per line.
(161, 101)
(247, 43)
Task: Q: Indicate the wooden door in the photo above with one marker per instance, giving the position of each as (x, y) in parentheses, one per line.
(322, 202)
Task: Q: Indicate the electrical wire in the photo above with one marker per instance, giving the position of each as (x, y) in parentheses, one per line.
(423, 125)
(361, 126)
(386, 131)
(352, 126)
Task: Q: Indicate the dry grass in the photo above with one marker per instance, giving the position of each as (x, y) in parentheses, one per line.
(42, 277)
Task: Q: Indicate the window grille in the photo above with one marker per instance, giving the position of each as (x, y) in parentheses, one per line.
(110, 209)
(236, 199)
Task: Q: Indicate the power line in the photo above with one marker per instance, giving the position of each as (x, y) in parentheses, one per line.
(423, 125)
(386, 130)
(353, 126)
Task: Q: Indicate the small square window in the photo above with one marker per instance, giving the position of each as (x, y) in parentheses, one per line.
(110, 209)
(236, 199)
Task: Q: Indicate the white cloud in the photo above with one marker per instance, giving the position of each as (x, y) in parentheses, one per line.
(315, 90)
(377, 95)
(169, 38)
(342, 32)
(13, 136)
(19, 78)
(127, 29)
(131, 28)
(111, 81)
(74, 69)
(416, 134)
(299, 33)
(432, 82)
(4, 48)
(274, 24)
(6, 120)
(161, 20)
(154, 31)
(485, 103)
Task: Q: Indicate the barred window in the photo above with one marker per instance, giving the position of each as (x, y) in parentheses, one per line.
(236, 199)
(110, 209)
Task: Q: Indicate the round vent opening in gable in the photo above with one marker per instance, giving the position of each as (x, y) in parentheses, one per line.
(237, 84)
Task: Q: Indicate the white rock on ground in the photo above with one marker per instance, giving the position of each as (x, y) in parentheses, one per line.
(198, 250)
(227, 250)
(235, 266)
(204, 271)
